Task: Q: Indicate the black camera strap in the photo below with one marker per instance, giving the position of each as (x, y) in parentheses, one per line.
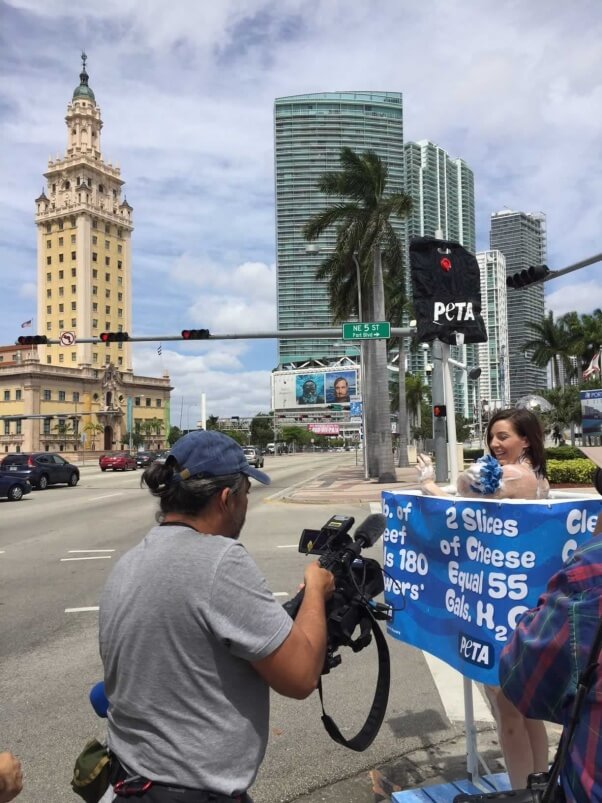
(364, 738)
(586, 680)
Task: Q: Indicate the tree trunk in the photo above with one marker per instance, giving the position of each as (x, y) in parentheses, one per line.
(370, 436)
(379, 384)
(402, 415)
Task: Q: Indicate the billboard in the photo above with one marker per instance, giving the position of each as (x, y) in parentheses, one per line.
(314, 387)
(324, 429)
(591, 412)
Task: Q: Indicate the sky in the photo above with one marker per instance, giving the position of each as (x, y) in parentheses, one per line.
(186, 91)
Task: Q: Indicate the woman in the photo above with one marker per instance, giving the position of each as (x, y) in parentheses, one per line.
(515, 440)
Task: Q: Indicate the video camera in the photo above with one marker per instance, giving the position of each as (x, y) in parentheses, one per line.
(357, 581)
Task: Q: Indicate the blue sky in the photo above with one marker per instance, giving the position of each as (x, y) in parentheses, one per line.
(186, 91)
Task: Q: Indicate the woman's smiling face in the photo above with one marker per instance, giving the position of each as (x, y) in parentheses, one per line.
(505, 444)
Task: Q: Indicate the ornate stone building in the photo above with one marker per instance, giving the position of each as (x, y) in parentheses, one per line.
(63, 397)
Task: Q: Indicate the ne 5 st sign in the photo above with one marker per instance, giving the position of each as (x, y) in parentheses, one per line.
(376, 330)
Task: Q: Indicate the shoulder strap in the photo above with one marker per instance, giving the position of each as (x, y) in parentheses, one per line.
(375, 717)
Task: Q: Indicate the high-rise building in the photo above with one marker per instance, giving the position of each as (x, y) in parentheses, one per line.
(310, 131)
(84, 229)
(521, 237)
(442, 192)
(493, 387)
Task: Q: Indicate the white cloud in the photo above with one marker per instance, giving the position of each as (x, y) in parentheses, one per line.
(187, 89)
(583, 298)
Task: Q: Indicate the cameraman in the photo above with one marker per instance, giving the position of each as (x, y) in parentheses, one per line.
(549, 649)
(192, 639)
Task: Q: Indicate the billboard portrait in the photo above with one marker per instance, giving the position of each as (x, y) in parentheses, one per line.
(340, 386)
(309, 388)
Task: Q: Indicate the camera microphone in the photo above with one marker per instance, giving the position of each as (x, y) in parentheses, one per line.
(370, 530)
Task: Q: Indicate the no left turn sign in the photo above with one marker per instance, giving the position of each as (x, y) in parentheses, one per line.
(67, 338)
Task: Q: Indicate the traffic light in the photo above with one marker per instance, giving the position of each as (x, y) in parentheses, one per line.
(530, 276)
(195, 334)
(32, 340)
(439, 410)
(114, 337)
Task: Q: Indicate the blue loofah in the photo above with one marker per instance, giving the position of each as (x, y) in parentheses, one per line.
(490, 475)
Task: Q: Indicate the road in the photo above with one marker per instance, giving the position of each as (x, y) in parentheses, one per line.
(56, 550)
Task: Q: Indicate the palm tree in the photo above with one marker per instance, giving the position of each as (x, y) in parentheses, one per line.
(363, 231)
(552, 342)
(416, 393)
(93, 429)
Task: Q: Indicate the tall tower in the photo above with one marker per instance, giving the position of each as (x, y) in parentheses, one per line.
(521, 237)
(310, 131)
(442, 192)
(494, 382)
(84, 257)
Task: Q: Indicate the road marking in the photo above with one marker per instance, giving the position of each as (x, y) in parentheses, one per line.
(82, 610)
(287, 546)
(2, 551)
(450, 685)
(71, 551)
(376, 507)
(280, 594)
(89, 557)
(107, 496)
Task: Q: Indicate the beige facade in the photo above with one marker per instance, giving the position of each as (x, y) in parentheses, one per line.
(84, 395)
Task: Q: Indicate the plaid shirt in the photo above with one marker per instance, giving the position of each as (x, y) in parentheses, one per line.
(540, 666)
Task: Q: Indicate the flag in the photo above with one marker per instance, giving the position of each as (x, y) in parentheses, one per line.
(26, 323)
(593, 367)
(160, 350)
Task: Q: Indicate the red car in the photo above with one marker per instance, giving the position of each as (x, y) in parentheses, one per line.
(120, 461)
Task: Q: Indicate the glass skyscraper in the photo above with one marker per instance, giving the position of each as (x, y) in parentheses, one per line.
(310, 131)
(494, 382)
(521, 237)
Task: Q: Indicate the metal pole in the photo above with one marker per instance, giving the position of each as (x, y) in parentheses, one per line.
(451, 415)
(364, 395)
(439, 428)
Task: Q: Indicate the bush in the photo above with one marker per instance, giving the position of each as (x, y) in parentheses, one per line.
(571, 472)
(564, 453)
(470, 455)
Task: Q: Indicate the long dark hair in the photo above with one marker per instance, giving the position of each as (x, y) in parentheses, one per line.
(527, 425)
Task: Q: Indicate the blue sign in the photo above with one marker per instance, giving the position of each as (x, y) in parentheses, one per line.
(591, 412)
(355, 408)
(459, 573)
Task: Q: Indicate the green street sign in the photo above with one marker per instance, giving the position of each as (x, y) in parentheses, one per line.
(367, 331)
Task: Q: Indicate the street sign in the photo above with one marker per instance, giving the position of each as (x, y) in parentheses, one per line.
(378, 330)
(67, 338)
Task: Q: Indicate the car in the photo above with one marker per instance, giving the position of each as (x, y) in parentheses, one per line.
(161, 457)
(118, 461)
(144, 459)
(254, 456)
(13, 488)
(40, 468)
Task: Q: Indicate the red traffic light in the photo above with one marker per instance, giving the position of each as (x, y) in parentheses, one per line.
(195, 334)
(114, 337)
(439, 410)
(32, 340)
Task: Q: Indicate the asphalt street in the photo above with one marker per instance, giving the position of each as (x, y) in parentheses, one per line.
(56, 550)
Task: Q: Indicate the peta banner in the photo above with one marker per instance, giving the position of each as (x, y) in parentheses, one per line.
(459, 572)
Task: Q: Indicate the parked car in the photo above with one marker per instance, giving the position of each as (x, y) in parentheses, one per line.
(118, 461)
(144, 459)
(40, 468)
(13, 488)
(254, 456)
(161, 457)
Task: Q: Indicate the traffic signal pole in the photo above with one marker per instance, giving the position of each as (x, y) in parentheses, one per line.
(439, 424)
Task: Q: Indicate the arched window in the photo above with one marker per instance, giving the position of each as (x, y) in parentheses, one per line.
(101, 188)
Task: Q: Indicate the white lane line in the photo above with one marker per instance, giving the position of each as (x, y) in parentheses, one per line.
(287, 546)
(280, 594)
(88, 557)
(71, 551)
(375, 507)
(2, 551)
(82, 610)
(106, 496)
(450, 685)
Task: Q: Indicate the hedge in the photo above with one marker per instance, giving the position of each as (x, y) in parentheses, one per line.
(578, 472)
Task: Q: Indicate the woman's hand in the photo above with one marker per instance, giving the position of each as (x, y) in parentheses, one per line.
(425, 468)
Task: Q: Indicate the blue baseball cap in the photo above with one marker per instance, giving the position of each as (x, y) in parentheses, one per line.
(212, 453)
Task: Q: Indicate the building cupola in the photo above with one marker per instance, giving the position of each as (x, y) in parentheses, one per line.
(83, 91)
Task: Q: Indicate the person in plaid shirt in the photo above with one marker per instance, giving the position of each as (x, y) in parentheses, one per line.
(540, 666)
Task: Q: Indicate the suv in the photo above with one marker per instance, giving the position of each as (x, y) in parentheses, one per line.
(254, 456)
(41, 468)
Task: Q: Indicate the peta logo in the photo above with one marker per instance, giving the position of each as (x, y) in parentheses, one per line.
(475, 652)
(454, 311)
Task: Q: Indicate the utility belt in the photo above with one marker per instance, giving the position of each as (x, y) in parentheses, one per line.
(143, 789)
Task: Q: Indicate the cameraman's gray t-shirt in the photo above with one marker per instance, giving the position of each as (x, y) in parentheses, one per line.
(181, 616)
